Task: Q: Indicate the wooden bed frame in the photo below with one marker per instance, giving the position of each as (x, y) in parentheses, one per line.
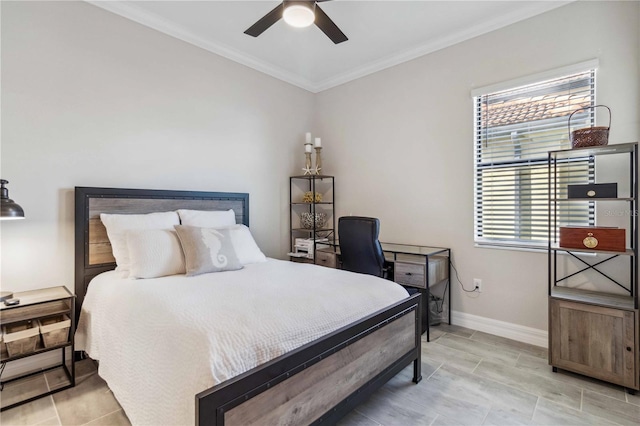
(317, 383)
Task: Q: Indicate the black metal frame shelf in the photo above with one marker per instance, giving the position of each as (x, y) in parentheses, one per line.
(593, 325)
(69, 371)
(627, 252)
(590, 199)
(597, 298)
(311, 230)
(559, 157)
(306, 204)
(294, 207)
(40, 349)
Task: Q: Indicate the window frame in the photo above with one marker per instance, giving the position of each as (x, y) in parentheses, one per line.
(518, 164)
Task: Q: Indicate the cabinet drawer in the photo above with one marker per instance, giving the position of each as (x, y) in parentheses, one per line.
(409, 274)
(327, 259)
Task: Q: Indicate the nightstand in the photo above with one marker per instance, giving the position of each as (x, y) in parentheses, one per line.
(37, 325)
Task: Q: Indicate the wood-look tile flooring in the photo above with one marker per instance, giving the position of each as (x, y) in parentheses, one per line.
(469, 378)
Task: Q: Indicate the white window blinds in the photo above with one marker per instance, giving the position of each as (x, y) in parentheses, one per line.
(514, 131)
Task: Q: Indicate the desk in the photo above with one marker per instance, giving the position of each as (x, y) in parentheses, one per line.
(417, 267)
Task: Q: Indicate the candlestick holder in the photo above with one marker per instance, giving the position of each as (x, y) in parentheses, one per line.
(307, 164)
(318, 168)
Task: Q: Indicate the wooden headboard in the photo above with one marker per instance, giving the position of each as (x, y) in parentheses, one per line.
(93, 250)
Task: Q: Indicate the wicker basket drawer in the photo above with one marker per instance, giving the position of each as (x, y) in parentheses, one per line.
(21, 337)
(3, 347)
(410, 274)
(54, 330)
(325, 258)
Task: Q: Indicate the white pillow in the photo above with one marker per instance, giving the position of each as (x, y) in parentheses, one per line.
(154, 253)
(246, 248)
(207, 219)
(118, 224)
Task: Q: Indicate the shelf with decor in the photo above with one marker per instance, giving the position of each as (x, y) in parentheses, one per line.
(311, 215)
(593, 263)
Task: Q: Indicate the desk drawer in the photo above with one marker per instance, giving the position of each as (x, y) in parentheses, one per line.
(324, 258)
(409, 274)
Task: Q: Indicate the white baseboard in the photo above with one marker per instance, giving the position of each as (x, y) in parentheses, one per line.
(509, 330)
(32, 363)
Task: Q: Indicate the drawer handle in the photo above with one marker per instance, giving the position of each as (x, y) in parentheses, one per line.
(408, 273)
(629, 348)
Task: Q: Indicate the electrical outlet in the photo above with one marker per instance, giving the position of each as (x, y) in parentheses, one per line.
(477, 285)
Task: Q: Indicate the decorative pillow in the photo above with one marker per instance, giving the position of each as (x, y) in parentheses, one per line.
(207, 250)
(207, 219)
(246, 247)
(154, 253)
(118, 224)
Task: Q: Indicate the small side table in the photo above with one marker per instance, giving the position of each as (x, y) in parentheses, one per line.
(42, 304)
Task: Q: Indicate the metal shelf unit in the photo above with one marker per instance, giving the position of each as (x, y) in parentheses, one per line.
(594, 332)
(323, 184)
(40, 304)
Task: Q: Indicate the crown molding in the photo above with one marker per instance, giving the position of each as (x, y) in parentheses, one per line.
(134, 13)
(441, 43)
(151, 20)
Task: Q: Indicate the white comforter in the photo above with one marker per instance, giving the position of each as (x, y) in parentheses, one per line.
(161, 341)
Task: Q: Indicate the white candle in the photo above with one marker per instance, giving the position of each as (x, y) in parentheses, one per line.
(318, 143)
(307, 147)
(307, 137)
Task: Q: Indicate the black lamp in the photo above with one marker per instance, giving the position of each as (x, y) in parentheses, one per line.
(10, 209)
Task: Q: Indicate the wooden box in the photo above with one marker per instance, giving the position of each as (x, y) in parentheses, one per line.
(592, 238)
(593, 190)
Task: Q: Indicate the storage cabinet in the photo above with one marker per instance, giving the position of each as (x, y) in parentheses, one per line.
(593, 288)
(311, 196)
(43, 321)
(594, 340)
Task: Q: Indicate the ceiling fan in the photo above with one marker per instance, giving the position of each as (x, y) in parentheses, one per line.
(299, 14)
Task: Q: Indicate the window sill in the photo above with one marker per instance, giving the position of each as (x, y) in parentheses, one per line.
(532, 249)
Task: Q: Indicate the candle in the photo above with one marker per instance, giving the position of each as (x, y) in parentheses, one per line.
(307, 137)
(307, 147)
(318, 143)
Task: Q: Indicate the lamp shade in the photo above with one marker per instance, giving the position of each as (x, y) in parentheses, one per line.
(299, 13)
(10, 209)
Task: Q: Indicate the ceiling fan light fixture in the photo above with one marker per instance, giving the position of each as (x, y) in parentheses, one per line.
(299, 15)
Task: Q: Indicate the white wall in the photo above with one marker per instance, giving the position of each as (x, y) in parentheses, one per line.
(93, 99)
(402, 141)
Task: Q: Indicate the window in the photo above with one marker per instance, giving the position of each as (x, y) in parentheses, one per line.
(515, 128)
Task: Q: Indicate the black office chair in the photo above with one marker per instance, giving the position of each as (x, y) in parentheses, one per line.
(359, 246)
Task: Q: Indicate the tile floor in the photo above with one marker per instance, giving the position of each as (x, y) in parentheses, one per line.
(469, 378)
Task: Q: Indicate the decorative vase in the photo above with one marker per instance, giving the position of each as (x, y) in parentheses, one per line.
(307, 220)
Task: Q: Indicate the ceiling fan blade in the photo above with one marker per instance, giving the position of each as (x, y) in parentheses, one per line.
(329, 27)
(265, 22)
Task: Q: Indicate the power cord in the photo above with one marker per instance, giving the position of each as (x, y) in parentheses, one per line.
(458, 278)
(439, 302)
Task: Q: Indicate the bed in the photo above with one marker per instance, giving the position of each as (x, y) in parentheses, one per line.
(313, 378)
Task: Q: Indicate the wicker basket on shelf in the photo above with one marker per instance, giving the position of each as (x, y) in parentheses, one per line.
(54, 330)
(589, 136)
(21, 338)
(3, 348)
